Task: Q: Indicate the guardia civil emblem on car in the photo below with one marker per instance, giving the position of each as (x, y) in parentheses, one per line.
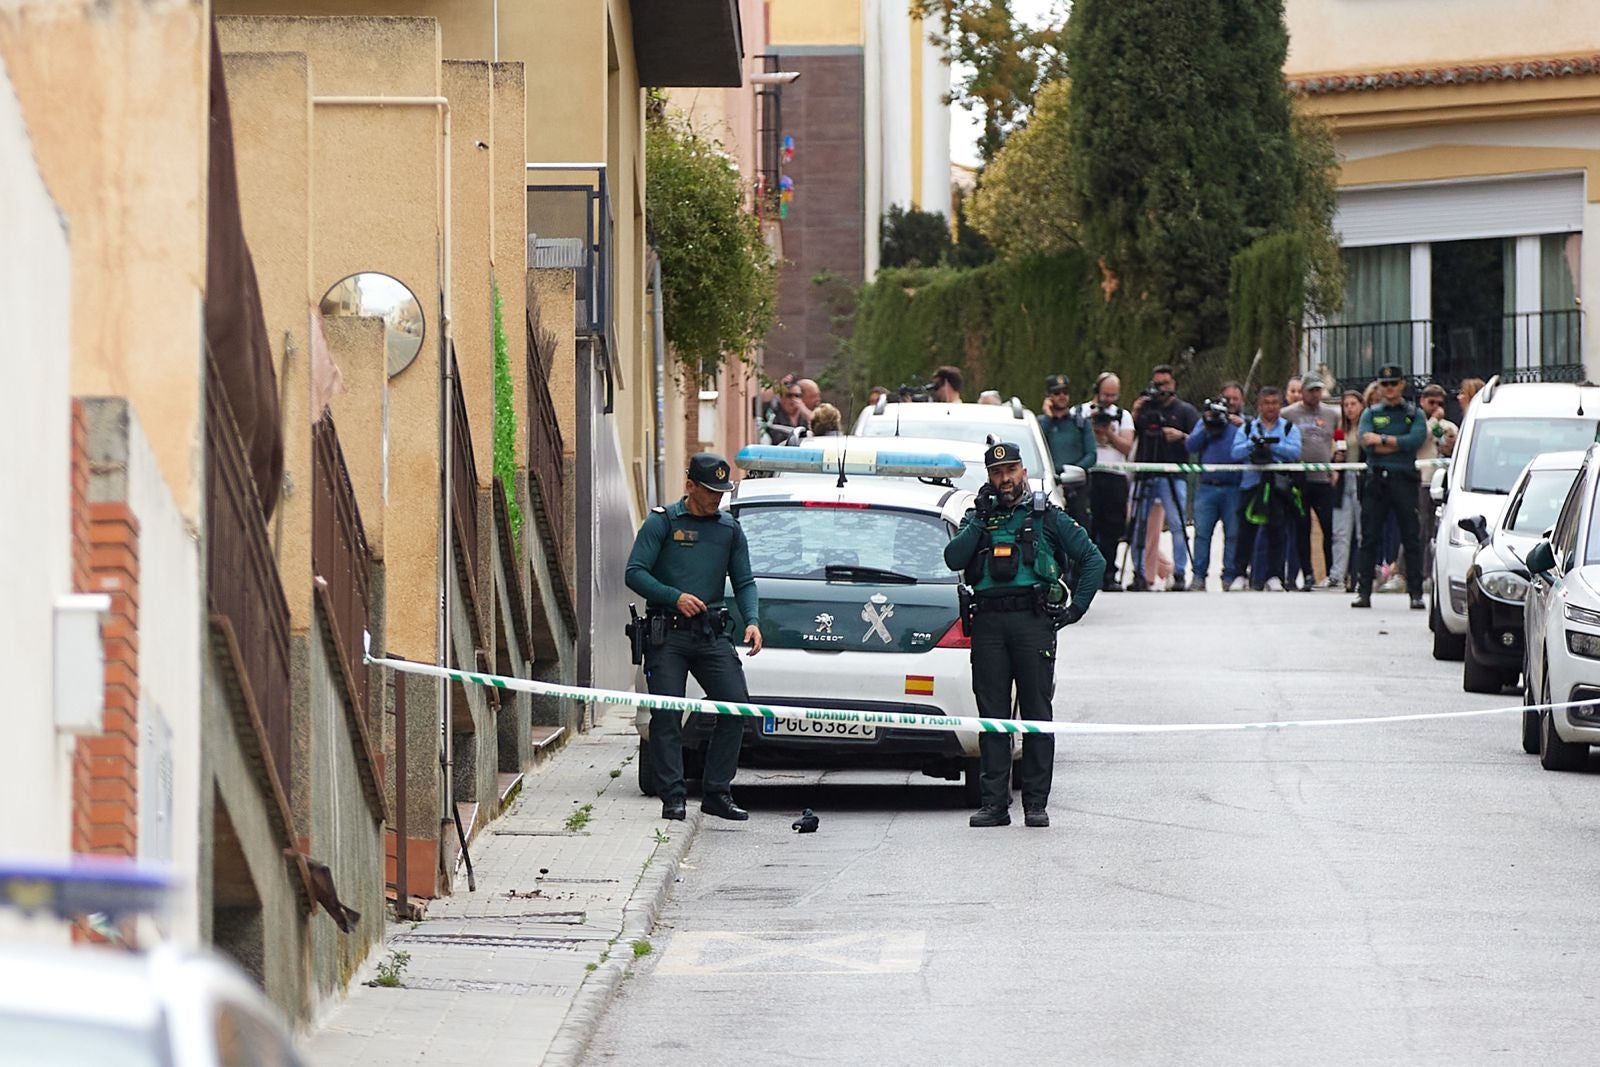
(875, 612)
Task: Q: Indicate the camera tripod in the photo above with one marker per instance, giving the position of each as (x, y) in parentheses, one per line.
(1138, 499)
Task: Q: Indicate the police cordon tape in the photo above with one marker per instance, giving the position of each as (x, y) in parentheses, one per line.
(1195, 468)
(907, 720)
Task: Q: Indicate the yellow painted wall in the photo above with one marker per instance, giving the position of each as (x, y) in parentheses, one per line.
(467, 85)
(508, 243)
(114, 96)
(814, 22)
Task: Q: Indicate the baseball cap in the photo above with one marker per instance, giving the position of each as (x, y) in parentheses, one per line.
(1000, 453)
(1391, 372)
(1312, 382)
(1056, 381)
(710, 470)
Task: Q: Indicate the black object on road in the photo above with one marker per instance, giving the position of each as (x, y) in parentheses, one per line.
(807, 822)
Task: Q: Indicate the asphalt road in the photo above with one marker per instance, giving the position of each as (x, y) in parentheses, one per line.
(1411, 893)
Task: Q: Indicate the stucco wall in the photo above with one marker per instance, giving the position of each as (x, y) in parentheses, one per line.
(35, 441)
(508, 147)
(1337, 35)
(357, 347)
(467, 84)
(120, 135)
(820, 22)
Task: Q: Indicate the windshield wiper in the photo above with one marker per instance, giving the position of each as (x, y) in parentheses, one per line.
(851, 572)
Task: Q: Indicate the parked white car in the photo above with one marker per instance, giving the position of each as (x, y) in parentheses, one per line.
(1562, 618)
(1505, 427)
(972, 423)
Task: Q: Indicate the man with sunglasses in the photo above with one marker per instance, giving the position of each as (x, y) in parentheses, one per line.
(1071, 439)
(790, 417)
(1390, 433)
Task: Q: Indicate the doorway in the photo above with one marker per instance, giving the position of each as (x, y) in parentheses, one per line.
(1473, 283)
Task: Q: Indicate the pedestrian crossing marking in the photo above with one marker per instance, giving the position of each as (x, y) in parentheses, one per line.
(711, 952)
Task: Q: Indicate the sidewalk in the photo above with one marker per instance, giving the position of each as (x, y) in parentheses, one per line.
(520, 971)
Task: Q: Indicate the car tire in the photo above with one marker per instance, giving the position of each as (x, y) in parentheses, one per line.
(971, 783)
(1530, 732)
(1554, 753)
(1446, 645)
(647, 770)
(1476, 676)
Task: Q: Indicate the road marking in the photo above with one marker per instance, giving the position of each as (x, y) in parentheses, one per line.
(707, 952)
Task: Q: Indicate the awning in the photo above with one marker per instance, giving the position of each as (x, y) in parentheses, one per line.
(688, 43)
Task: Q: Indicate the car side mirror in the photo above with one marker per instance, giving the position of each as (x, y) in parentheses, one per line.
(1541, 558)
(1477, 526)
(1438, 488)
(1072, 476)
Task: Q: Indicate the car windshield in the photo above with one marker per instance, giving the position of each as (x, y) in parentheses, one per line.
(952, 428)
(801, 540)
(36, 1041)
(1535, 512)
(1500, 448)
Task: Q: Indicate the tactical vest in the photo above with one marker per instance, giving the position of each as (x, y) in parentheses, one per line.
(1009, 555)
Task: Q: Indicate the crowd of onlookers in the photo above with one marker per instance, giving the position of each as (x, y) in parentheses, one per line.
(1280, 530)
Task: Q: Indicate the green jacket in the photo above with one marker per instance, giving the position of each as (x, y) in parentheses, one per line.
(1063, 548)
(676, 552)
(1071, 440)
(1406, 423)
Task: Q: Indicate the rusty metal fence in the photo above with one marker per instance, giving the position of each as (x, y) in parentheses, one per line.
(339, 557)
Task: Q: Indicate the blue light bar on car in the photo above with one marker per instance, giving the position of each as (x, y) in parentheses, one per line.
(859, 458)
(83, 886)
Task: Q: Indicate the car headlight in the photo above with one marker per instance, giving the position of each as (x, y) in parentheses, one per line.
(1503, 585)
(1587, 645)
(1580, 615)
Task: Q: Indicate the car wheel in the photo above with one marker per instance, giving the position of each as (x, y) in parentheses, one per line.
(971, 783)
(694, 765)
(647, 770)
(1554, 753)
(1446, 645)
(1477, 676)
(1530, 732)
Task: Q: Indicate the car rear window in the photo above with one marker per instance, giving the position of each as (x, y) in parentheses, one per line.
(798, 540)
(1500, 448)
(39, 1041)
(957, 429)
(1535, 512)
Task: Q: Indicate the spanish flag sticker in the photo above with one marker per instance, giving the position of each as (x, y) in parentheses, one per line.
(919, 685)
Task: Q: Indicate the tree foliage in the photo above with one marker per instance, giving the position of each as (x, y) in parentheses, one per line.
(1023, 203)
(1008, 59)
(1183, 155)
(911, 237)
(718, 276)
(505, 419)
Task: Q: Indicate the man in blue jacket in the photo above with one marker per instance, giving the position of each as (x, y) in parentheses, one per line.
(1211, 441)
(1271, 498)
(1391, 432)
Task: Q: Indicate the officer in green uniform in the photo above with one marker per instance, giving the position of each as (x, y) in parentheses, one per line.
(1013, 547)
(1070, 436)
(1391, 432)
(682, 557)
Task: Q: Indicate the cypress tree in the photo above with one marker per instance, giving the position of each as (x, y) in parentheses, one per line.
(1182, 156)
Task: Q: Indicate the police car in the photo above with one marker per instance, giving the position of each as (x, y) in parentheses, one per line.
(974, 424)
(858, 609)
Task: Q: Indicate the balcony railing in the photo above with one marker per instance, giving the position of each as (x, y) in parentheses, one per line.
(570, 227)
(242, 584)
(339, 559)
(463, 485)
(545, 448)
(1530, 346)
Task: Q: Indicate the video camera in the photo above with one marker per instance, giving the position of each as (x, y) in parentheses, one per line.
(1104, 414)
(1261, 447)
(915, 394)
(1216, 412)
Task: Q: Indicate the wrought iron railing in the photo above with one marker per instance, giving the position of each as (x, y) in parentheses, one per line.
(1528, 346)
(463, 480)
(339, 559)
(242, 584)
(545, 447)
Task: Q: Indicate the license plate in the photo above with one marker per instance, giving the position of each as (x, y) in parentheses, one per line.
(833, 731)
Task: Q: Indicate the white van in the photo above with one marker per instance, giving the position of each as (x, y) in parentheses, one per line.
(1504, 427)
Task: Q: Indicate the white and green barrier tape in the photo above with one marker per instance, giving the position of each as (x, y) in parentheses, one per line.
(907, 720)
(1196, 468)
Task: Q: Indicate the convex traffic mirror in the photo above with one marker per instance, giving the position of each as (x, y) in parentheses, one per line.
(373, 294)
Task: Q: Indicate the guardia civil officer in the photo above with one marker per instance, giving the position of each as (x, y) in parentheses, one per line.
(681, 558)
(1013, 547)
(1391, 431)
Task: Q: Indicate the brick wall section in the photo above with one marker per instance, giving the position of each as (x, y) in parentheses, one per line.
(113, 796)
(80, 583)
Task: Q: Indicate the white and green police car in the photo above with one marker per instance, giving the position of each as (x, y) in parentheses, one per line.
(858, 609)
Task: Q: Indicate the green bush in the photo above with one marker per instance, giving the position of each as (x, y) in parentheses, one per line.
(505, 419)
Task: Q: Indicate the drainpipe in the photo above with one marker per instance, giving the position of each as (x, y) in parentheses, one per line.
(446, 566)
(659, 349)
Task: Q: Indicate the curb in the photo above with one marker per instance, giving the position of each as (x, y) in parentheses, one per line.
(638, 920)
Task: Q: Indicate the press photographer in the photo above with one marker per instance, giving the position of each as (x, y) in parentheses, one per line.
(1108, 488)
(1161, 423)
(1218, 496)
(1271, 498)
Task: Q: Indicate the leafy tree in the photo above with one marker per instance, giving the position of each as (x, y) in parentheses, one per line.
(1023, 203)
(718, 276)
(1183, 155)
(972, 248)
(1009, 60)
(911, 237)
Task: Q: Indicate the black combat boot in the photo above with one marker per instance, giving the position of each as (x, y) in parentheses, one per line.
(990, 817)
(673, 809)
(722, 806)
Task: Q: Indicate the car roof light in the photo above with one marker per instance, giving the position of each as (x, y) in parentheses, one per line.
(84, 886)
(858, 456)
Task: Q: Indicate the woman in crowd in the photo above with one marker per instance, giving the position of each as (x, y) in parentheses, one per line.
(1347, 515)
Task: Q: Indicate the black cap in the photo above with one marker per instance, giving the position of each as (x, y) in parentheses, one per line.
(1391, 372)
(1000, 453)
(1053, 382)
(710, 470)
